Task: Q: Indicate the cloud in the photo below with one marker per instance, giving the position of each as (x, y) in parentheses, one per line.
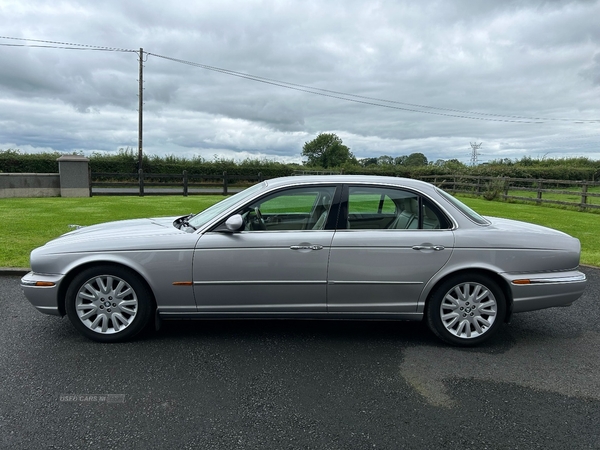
(530, 59)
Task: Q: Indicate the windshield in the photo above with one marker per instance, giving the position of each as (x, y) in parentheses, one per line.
(464, 208)
(204, 217)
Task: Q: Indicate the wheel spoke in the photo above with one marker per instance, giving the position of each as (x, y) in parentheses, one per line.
(88, 314)
(101, 285)
(462, 326)
(487, 305)
(129, 311)
(116, 318)
(450, 302)
(450, 319)
(477, 326)
(125, 293)
(482, 295)
(459, 292)
(482, 321)
(97, 321)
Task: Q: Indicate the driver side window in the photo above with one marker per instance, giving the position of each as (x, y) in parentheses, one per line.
(290, 209)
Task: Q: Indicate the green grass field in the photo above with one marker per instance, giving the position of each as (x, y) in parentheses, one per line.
(30, 222)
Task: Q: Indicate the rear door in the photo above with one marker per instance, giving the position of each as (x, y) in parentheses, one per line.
(394, 242)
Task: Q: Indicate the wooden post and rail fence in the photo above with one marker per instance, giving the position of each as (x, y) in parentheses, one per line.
(581, 194)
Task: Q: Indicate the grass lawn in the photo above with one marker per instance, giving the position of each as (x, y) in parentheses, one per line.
(30, 222)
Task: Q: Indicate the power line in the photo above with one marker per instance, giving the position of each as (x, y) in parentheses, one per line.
(365, 100)
(323, 92)
(63, 45)
(377, 101)
(278, 82)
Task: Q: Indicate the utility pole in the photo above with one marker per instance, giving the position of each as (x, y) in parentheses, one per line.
(474, 148)
(140, 108)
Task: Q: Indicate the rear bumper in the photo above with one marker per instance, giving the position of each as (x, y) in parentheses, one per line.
(545, 290)
(42, 291)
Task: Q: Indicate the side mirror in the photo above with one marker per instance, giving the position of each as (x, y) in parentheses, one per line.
(234, 223)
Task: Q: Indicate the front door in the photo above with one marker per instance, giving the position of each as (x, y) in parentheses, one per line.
(276, 265)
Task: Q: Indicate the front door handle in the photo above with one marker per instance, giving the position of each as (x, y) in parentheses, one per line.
(306, 247)
(437, 248)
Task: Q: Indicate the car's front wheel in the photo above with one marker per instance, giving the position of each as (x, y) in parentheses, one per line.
(466, 309)
(108, 303)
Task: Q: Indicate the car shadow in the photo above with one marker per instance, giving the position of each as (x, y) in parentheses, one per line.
(397, 333)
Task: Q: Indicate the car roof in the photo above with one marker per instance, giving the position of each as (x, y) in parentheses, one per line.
(362, 179)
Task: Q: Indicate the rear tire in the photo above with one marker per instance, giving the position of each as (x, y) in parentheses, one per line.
(466, 310)
(108, 303)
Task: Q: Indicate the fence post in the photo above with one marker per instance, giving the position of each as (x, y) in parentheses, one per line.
(539, 192)
(478, 186)
(225, 182)
(584, 190)
(90, 179)
(506, 185)
(141, 180)
(185, 183)
(260, 178)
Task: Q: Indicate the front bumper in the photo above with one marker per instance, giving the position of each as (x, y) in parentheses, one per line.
(41, 290)
(545, 290)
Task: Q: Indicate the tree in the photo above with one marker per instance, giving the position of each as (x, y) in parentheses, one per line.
(415, 160)
(326, 150)
(366, 162)
(400, 160)
(385, 160)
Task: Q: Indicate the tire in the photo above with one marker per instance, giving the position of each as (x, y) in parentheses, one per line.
(108, 303)
(466, 310)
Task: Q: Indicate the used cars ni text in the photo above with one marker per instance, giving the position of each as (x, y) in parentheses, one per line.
(318, 247)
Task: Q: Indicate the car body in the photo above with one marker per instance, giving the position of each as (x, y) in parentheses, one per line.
(318, 247)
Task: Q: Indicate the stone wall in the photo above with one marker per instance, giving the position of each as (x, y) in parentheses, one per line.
(29, 185)
(71, 181)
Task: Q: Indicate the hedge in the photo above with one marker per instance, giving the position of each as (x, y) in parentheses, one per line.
(125, 161)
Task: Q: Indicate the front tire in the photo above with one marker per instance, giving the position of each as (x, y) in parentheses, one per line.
(108, 303)
(466, 310)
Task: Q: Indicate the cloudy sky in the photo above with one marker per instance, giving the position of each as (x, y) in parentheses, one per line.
(388, 77)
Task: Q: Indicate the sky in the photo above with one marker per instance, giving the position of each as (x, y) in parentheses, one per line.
(259, 78)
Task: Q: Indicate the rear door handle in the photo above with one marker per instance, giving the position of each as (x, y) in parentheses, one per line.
(306, 247)
(437, 248)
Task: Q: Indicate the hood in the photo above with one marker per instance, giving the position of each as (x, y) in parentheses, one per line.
(123, 234)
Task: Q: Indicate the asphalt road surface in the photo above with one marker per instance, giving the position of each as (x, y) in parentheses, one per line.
(301, 384)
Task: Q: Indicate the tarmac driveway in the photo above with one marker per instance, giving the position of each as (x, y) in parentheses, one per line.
(301, 384)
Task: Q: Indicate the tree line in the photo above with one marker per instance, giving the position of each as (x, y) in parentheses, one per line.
(325, 152)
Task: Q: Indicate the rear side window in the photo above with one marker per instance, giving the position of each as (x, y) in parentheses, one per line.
(377, 208)
(464, 208)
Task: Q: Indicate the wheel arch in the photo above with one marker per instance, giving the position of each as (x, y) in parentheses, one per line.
(501, 282)
(74, 271)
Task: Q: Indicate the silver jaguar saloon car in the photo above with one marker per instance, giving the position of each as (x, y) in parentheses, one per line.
(314, 247)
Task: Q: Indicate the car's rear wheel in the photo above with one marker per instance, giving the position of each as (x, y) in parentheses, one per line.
(466, 309)
(108, 303)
